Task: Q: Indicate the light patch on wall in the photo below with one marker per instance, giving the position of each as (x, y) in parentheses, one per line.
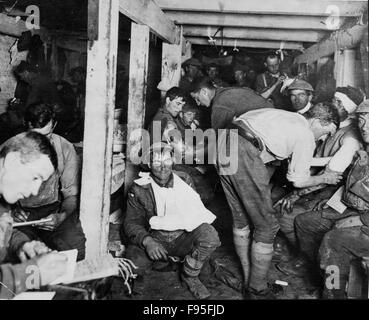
(7, 79)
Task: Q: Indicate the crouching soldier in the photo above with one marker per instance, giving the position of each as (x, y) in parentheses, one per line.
(166, 218)
(26, 161)
(349, 239)
(58, 196)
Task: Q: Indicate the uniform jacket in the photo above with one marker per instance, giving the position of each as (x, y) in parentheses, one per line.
(141, 207)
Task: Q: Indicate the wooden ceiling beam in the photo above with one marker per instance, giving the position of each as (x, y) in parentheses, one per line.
(252, 20)
(342, 39)
(146, 12)
(254, 33)
(248, 43)
(294, 7)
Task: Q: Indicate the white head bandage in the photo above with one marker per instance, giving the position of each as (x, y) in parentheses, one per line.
(349, 105)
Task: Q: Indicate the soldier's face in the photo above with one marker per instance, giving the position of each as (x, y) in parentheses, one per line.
(363, 124)
(273, 65)
(161, 165)
(212, 72)
(299, 99)
(20, 180)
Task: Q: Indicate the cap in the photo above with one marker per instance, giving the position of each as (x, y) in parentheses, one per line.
(155, 147)
(299, 84)
(363, 107)
(192, 62)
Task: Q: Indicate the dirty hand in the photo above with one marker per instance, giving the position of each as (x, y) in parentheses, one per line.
(6, 228)
(32, 249)
(287, 203)
(322, 204)
(281, 79)
(20, 215)
(51, 266)
(57, 219)
(348, 222)
(332, 177)
(154, 249)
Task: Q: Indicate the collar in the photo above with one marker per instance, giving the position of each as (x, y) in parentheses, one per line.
(305, 109)
(347, 122)
(274, 75)
(168, 184)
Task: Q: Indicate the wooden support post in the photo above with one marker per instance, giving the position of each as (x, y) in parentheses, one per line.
(138, 67)
(364, 50)
(98, 134)
(346, 68)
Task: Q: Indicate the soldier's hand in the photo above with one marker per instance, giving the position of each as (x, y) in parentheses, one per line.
(51, 266)
(287, 203)
(322, 204)
(32, 249)
(332, 177)
(154, 249)
(20, 215)
(56, 220)
(6, 228)
(281, 79)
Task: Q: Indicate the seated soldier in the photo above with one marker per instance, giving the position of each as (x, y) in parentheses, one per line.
(167, 127)
(349, 238)
(58, 196)
(165, 218)
(187, 117)
(26, 160)
(337, 151)
(240, 76)
(212, 71)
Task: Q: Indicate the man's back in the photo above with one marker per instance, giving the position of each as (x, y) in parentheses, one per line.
(280, 130)
(233, 102)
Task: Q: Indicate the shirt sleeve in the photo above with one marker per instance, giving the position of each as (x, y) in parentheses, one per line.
(13, 278)
(70, 176)
(344, 156)
(135, 223)
(302, 156)
(260, 85)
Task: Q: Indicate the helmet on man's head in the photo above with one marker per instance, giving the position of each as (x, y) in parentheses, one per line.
(363, 107)
(299, 84)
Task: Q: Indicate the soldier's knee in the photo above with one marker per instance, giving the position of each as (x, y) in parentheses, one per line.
(207, 235)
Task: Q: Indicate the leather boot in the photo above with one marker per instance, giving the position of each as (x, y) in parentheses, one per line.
(196, 287)
(298, 267)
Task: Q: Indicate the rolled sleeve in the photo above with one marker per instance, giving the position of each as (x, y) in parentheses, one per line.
(301, 159)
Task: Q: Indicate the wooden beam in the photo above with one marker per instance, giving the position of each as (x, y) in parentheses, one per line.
(254, 33)
(341, 39)
(138, 68)
(148, 13)
(98, 133)
(294, 7)
(250, 20)
(248, 43)
(364, 51)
